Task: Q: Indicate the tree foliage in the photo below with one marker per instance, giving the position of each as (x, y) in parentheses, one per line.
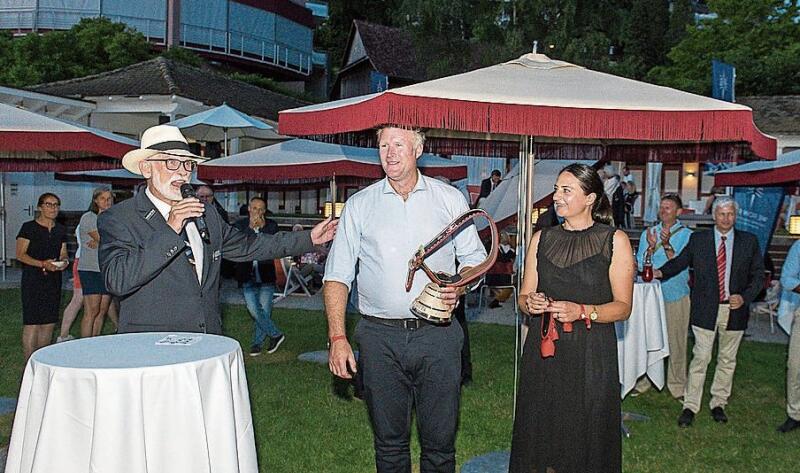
(761, 38)
(94, 45)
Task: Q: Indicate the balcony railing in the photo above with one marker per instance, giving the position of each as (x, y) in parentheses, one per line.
(198, 38)
(246, 46)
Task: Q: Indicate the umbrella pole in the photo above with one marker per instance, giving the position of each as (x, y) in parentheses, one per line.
(225, 142)
(3, 224)
(524, 210)
(333, 191)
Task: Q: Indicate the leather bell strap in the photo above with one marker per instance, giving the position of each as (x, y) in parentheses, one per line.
(455, 280)
(550, 334)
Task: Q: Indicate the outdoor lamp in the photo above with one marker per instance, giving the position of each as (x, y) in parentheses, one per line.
(535, 213)
(794, 224)
(330, 209)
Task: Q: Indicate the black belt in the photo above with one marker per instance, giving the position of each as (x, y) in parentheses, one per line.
(408, 324)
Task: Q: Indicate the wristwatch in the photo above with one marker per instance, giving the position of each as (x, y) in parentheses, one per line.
(593, 314)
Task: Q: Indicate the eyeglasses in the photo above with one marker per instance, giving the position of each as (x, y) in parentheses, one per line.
(175, 164)
(51, 205)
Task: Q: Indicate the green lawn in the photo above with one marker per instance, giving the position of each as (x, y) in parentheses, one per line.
(302, 427)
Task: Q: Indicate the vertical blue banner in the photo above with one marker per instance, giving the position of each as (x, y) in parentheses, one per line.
(378, 82)
(758, 212)
(723, 80)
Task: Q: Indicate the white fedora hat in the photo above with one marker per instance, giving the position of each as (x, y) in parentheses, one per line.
(160, 139)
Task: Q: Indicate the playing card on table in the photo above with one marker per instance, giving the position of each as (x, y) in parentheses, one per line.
(183, 340)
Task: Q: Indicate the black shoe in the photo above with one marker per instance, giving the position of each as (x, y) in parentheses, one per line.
(494, 304)
(789, 425)
(686, 418)
(275, 342)
(718, 413)
(255, 350)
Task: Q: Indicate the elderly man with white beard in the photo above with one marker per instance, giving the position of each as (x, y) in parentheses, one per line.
(153, 255)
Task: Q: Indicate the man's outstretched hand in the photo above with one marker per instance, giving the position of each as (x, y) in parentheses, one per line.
(324, 231)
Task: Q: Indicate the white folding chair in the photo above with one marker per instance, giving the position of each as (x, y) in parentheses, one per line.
(487, 288)
(295, 281)
(769, 306)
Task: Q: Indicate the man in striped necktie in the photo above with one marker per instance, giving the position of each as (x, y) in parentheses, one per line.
(728, 275)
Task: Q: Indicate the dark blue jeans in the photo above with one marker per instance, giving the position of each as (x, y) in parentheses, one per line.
(258, 298)
(404, 369)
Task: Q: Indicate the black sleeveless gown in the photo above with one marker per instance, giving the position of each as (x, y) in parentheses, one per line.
(568, 406)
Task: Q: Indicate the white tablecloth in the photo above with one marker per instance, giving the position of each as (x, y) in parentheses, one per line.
(642, 339)
(121, 404)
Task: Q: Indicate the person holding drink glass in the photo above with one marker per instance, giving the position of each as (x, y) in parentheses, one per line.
(578, 281)
(42, 250)
(662, 243)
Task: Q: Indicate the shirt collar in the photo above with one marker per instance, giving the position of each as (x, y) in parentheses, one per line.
(674, 226)
(718, 234)
(162, 207)
(420, 186)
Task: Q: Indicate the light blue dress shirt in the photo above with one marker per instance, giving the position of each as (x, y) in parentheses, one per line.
(676, 287)
(790, 279)
(380, 232)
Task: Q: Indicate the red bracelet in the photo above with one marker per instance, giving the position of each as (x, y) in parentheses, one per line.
(585, 318)
(337, 338)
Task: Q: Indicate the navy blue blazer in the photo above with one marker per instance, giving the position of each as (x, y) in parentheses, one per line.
(747, 276)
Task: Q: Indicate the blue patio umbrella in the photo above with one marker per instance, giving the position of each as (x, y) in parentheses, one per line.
(219, 124)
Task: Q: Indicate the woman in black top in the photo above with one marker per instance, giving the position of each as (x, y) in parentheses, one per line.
(578, 281)
(42, 249)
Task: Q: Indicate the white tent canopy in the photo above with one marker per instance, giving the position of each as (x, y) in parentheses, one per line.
(306, 160)
(503, 202)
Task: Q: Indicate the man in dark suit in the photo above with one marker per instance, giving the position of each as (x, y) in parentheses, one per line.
(153, 256)
(489, 184)
(728, 275)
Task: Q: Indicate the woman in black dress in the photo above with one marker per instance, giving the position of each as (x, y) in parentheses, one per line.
(42, 249)
(578, 281)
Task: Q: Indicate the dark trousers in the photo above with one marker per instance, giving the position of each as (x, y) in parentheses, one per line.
(404, 369)
(459, 313)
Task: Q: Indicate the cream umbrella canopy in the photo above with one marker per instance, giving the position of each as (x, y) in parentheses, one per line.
(221, 123)
(534, 103)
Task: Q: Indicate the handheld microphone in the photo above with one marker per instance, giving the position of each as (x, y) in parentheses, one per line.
(188, 191)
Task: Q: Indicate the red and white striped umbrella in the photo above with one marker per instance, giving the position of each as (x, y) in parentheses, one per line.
(552, 101)
(33, 142)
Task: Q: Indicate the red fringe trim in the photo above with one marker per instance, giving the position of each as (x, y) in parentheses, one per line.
(527, 120)
(310, 171)
(769, 177)
(86, 143)
(81, 164)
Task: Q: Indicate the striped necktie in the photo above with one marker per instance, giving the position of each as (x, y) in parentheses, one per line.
(722, 258)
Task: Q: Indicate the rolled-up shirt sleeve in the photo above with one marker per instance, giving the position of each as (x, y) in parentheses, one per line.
(341, 263)
(469, 249)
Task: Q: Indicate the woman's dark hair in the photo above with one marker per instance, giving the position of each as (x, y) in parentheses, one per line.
(98, 191)
(46, 195)
(592, 184)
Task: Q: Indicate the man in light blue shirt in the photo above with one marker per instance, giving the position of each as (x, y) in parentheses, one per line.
(665, 241)
(404, 362)
(789, 320)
